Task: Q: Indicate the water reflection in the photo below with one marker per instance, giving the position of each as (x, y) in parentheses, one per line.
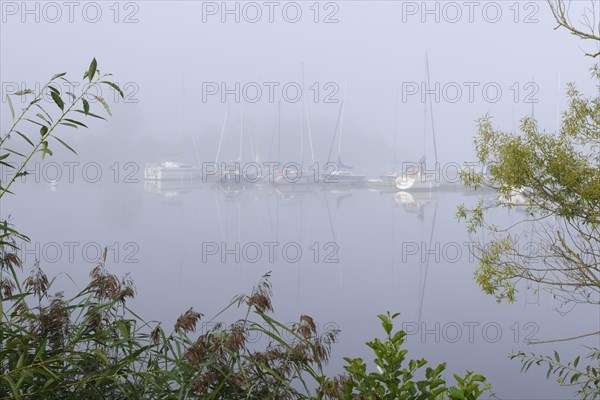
(312, 217)
(363, 252)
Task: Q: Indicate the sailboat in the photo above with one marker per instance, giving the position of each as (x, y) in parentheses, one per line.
(288, 174)
(388, 181)
(232, 172)
(518, 196)
(419, 179)
(292, 173)
(172, 170)
(343, 173)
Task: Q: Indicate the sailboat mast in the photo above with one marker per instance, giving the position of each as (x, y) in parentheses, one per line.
(302, 117)
(182, 106)
(431, 110)
(335, 131)
(424, 131)
(279, 132)
(196, 151)
(342, 120)
(396, 124)
(276, 134)
(253, 146)
(341, 125)
(310, 142)
(241, 129)
(222, 133)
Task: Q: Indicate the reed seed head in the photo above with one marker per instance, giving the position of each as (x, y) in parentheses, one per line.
(261, 296)
(7, 288)
(37, 282)
(188, 320)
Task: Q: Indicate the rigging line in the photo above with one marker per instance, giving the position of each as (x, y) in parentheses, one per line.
(342, 120)
(279, 133)
(431, 110)
(222, 133)
(310, 141)
(196, 151)
(182, 106)
(302, 118)
(241, 129)
(396, 123)
(335, 131)
(273, 135)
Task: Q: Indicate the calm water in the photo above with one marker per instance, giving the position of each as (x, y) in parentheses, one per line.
(341, 256)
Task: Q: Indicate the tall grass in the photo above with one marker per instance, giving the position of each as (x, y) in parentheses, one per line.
(91, 345)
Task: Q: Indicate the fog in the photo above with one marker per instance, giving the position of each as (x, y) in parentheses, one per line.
(489, 57)
(406, 72)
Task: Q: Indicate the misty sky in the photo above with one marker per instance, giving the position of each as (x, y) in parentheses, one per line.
(166, 55)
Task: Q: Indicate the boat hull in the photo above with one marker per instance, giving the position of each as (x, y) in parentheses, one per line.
(161, 173)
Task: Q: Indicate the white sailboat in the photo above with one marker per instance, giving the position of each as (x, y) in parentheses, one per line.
(519, 196)
(343, 173)
(291, 174)
(172, 170)
(419, 179)
(388, 181)
(233, 172)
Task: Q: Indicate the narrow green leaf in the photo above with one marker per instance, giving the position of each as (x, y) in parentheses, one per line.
(44, 111)
(101, 100)
(43, 131)
(58, 75)
(15, 152)
(69, 125)
(72, 95)
(12, 110)
(58, 101)
(24, 92)
(114, 86)
(45, 150)
(76, 122)
(64, 144)
(92, 70)
(25, 137)
(43, 118)
(101, 356)
(21, 361)
(86, 106)
(90, 114)
(13, 387)
(33, 122)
